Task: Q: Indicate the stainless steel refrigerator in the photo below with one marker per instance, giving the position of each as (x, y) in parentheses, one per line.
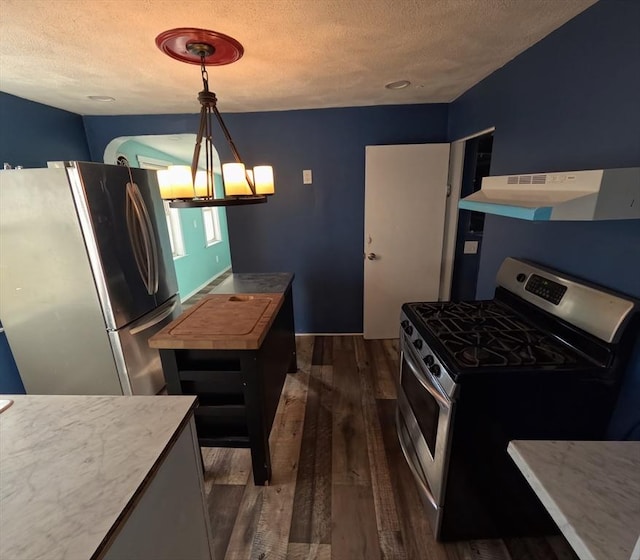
(86, 277)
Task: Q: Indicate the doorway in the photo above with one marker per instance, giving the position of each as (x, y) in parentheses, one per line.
(468, 247)
(405, 198)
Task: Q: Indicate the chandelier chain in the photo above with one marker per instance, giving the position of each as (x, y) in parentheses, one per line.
(205, 74)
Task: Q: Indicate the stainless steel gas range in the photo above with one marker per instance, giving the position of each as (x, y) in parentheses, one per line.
(542, 360)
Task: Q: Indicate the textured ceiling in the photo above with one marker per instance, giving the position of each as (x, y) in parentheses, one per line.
(298, 53)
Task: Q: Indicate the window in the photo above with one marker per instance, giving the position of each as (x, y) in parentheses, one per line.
(175, 230)
(211, 220)
(172, 214)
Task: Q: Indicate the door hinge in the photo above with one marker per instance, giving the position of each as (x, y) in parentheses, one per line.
(448, 191)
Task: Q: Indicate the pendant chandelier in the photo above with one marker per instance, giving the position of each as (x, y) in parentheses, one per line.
(186, 186)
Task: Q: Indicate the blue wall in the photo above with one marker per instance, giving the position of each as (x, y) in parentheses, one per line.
(315, 231)
(30, 135)
(570, 102)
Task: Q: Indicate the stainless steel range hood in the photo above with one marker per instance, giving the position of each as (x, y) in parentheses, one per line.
(597, 194)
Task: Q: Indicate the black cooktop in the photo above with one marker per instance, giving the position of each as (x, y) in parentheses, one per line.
(481, 334)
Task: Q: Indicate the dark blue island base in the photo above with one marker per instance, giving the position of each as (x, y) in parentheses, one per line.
(238, 390)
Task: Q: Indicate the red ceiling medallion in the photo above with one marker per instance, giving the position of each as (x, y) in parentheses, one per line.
(188, 44)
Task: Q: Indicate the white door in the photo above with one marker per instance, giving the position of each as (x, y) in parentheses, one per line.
(405, 195)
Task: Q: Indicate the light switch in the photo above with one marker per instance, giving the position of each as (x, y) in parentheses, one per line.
(306, 177)
(470, 247)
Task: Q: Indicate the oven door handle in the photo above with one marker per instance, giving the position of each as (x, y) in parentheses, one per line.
(433, 391)
(412, 467)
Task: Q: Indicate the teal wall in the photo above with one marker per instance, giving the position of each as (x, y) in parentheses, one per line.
(200, 263)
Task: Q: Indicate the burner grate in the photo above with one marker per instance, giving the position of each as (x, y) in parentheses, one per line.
(479, 334)
(506, 348)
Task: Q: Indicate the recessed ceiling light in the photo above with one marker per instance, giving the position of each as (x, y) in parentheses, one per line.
(103, 98)
(400, 84)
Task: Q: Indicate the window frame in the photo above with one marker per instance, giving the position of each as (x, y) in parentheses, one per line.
(216, 238)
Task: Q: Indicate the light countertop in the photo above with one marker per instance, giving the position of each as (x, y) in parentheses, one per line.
(70, 467)
(591, 490)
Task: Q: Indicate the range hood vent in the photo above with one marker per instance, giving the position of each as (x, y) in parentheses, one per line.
(596, 194)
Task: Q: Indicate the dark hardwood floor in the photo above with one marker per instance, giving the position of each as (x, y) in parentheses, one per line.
(340, 488)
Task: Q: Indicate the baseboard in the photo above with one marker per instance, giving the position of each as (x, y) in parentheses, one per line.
(194, 292)
(328, 334)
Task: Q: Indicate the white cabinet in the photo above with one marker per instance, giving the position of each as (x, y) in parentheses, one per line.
(169, 519)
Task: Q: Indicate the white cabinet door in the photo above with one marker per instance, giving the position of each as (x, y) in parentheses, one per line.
(405, 195)
(170, 520)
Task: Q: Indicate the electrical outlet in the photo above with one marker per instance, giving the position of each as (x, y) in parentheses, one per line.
(307, 178)
(470, 247)
(195, 224)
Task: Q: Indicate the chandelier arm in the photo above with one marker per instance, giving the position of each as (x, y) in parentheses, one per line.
(209, 155)
(196, 151)
(234, 150)
(227, 135)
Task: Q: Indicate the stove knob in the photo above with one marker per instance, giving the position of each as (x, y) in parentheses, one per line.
(417, 344)
(435, 369)
(428, 360)
(407, 327)
(404, 324)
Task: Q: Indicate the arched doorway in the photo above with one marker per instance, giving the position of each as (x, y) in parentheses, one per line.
(199, 236)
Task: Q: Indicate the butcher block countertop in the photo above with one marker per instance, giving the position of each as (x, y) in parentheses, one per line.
(222, 322)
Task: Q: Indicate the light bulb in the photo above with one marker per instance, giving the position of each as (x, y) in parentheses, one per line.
(264, 179)
(180, 177)
(164, 181)
(201, 184)
(235, 179)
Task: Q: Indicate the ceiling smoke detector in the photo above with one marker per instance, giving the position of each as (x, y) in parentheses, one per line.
(400, 84)
(102, 98)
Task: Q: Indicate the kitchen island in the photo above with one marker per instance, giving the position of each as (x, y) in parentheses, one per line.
(273, 283)
(85, 477)
(591, 489)
(233, 350)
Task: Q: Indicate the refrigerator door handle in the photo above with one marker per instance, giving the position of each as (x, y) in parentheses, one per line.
(137, 229)
(133, 226)
(157, 318)
(152, 247)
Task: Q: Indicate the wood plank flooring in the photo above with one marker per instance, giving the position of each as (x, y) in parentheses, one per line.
(340, 489)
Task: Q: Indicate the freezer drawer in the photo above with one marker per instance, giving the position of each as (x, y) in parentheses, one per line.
(138, 365)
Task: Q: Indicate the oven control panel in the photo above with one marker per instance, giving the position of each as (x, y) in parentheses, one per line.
(425, 358)
(545, 288)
